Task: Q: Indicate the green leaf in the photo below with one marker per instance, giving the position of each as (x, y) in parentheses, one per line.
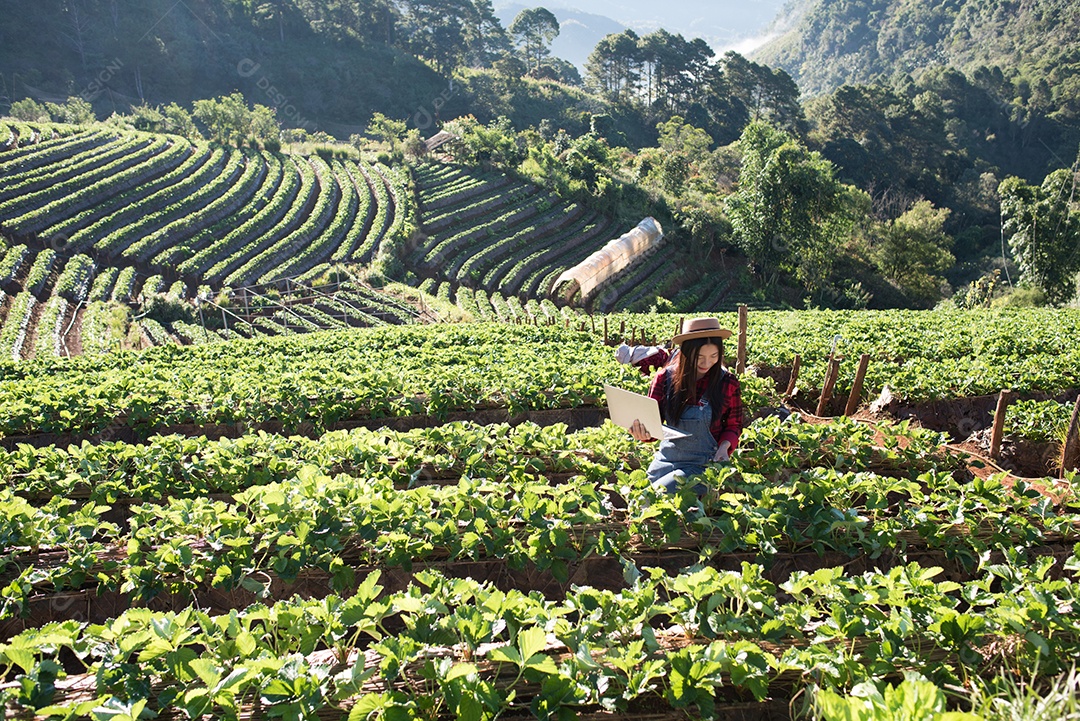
(531, 641)
(461, 669)
(506, 654)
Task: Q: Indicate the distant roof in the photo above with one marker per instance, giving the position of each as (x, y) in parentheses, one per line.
(439, 139)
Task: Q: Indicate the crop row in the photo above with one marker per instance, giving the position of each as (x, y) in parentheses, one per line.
(42, 154)
(319, 379)
(74, 281)
(384, 216)
(283, 182)
(778, 496)
(476, 651)
(476, 264)
(290, 218)
(40, 271)
(365, 212)
(225, 194)
(189, 194)
(16, 326)
(12, 263)
(36, 213)
(49, 338)
(436, 251)
(325, 193)
(78, 164)
(324, 234)
(84, 228)
(920, 355)
(510, 276)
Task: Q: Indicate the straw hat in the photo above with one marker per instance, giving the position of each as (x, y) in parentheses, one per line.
(701, 328)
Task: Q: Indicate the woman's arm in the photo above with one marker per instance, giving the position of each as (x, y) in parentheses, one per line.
(727, 428)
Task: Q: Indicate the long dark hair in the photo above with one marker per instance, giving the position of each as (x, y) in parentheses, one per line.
(681, 390)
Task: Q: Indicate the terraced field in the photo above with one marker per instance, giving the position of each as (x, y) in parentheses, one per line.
(95, 217)
(490, 236)
(491, 239)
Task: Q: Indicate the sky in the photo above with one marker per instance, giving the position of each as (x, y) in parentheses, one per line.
(738, 25)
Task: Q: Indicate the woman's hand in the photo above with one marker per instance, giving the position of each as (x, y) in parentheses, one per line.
(639, 432)
(723, 453)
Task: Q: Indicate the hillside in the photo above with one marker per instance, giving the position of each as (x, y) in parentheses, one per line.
(315, 65)
(112, 238)
(832, 43)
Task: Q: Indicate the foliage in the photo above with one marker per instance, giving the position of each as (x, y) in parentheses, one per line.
(29, 110)
(1043, 225)
(789, 213)
(534, 29)
(913, 248)
(230, 121)
(915, 698)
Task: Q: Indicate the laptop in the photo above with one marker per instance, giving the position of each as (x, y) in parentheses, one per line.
(625, 407)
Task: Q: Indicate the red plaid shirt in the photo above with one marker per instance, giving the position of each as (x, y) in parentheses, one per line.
(728, 423)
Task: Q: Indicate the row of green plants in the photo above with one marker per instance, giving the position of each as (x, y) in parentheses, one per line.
(200, 188)
(844, 495)
(454, 647)
(30, 156)
(237, 207)
(545, 230)
(226, 252)
(32, 179)
(920, 355)
(345, 228)
(325, 194)
(212, 203)
(1040, 421)
(330, 378)
(319, 380)
(39, 210)
(12, 262)
(358, 236)
(51, 324)
(16, 326)
(83, 229)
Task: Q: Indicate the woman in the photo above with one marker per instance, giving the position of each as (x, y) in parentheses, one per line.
(699, 397)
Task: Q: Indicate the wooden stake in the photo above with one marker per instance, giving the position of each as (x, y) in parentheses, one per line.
(740, 366)
(856, 388)
(1070, 451)
(794, 376)
(622, 330)
(605, 331)
(592, 322)
(999, 423)
(828, 385)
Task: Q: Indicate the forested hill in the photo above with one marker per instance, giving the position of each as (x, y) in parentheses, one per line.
(321, 65)
(836, 42)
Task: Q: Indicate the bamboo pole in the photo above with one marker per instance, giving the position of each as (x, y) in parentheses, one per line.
(828, 385)
(856, 388)
(794, 376)
(1070, 450)
(999, 423)
(740, 367)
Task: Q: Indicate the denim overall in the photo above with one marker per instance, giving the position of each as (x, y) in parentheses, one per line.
(687, 456)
